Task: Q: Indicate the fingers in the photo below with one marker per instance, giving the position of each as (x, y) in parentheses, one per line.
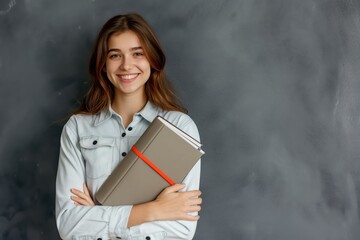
(79, 193)
(85, 189)
(172, 204)
(193, 205)
(174, 188)
(80, 201)
(82, 198)
(193, 193)
(194, 208)
(195, 201)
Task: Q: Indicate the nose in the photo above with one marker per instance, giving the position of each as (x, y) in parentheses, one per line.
(126, 63)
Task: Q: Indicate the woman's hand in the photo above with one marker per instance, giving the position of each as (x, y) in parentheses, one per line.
(82, 198)
(169, 205)
(174, 205)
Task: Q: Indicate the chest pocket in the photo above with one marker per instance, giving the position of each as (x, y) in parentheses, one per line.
(98, 153)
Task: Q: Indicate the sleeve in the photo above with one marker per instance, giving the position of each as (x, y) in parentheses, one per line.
(83, 222)
(176, 229)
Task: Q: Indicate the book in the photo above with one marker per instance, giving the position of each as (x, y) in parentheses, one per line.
(163, 155)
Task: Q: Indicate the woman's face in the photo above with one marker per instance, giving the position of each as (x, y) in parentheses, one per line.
(126, 66)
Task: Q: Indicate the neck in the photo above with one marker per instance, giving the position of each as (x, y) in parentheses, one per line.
(128, 105)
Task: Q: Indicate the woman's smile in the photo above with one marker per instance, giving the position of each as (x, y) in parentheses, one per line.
(126, 78)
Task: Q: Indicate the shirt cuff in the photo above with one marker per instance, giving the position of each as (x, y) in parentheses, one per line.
(118, 222)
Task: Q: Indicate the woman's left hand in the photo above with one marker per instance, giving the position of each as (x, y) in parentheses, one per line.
(82, 198)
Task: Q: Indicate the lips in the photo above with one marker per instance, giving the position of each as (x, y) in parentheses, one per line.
(127, 77)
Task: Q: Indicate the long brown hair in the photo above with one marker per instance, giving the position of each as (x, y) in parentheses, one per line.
(158, 89)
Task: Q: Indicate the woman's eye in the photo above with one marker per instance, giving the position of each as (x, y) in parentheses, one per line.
(138, 54)
(112, 56)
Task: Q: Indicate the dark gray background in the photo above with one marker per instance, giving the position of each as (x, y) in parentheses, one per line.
(273, 86)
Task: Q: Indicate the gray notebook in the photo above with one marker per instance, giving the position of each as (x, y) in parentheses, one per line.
(133, 181)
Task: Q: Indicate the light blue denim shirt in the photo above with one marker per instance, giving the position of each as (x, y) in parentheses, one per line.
(81, 162)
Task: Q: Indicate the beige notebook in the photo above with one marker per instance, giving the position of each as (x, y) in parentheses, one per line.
(133, 181)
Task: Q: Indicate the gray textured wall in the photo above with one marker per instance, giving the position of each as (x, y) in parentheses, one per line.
(273, 86)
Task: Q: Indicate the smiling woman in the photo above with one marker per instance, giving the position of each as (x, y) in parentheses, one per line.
(128, 90)
(127, 68)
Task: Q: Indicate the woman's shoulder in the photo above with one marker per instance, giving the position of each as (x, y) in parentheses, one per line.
(176, 117)
(183, 121)
(80, 119)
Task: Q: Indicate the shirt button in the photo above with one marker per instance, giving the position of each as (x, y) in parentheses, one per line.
(94, 142)
(123, 134)
(118, 237)
(148, 238)
(123, 154)
(130, 128)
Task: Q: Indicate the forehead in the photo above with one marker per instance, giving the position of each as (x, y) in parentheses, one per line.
(124, 40)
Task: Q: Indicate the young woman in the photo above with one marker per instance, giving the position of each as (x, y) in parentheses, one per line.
(128, 90)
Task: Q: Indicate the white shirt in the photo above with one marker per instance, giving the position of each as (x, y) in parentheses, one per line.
(82, 162)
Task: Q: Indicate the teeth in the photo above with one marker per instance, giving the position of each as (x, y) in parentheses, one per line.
(129, 76)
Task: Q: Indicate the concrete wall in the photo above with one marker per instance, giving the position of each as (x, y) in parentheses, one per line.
(273, 86)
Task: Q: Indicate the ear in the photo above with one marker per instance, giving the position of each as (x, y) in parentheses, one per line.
(104, 69)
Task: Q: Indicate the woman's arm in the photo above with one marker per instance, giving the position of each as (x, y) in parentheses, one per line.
(174, 229)
(169, 205)
(73, 221)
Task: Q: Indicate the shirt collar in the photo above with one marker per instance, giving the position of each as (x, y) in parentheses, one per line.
(149, 113)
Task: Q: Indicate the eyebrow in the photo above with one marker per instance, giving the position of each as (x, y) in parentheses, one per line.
(118, 50)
